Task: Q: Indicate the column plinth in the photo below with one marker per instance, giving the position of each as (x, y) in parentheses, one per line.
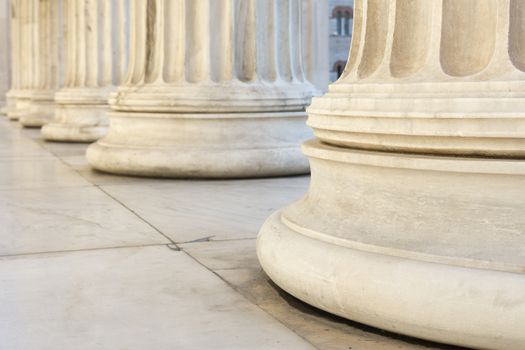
(96, 57)
(214, 89)
(414, 221)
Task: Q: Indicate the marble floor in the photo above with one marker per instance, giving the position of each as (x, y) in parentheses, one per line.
(94, 261)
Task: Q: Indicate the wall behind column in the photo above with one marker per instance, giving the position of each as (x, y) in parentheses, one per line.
(339, 42)
(5, 71)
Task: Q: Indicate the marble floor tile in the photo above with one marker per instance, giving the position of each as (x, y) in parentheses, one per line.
(132, 298)
(21, 148)
(236, 262)
(216, 210)
(63, 149)
(57, 219)
(80, 164)
(37, 172)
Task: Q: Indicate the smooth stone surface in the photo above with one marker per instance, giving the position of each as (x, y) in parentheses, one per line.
(112, 294)
(60, 218)
(236, 262)
(208, 144)
(373, 226)
(36, 172)
(198, 209)
(131, 298)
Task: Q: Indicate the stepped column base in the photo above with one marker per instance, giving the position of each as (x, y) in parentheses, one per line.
(40, 111)
(78, 118)
(221, 145)
(430, 247)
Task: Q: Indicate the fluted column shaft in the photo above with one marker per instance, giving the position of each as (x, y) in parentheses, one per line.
(5, 62)
(96, 57)
(414, 217)
(210, 80)
(316, 48)
(35, 42)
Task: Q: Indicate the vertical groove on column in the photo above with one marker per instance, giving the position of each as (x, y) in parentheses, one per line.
(221, 32)
(283, 40)
(175, 47)
(413, 22)
(198, 43)
(376, 30)
(78, 22)
(295, 21)
(120, 63)
(500, 62)
(137, 61)
(91, 31)
(245, 41)
(105, 38)
(54, 65)
(71, 36)
(468, 43)
(154, 40)
(25, 19)
(315, 48)
(358, 37)
(517, 34)
(35, 10)
(266, 45)
(15, 45)
(22, 18)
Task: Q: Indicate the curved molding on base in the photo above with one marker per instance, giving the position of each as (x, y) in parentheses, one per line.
(19, 108)
(214, 97)
(471, 307)
(77, 123)
(200, 145)
(430, 247)
(39, 114)
(72, 133)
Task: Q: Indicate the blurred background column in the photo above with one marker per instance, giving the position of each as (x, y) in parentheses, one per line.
(96, 58)
(5, 59)
(216, 88)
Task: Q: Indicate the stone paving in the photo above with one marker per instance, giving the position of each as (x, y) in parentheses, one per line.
(95, 261)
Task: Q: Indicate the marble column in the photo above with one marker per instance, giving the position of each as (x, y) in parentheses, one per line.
(215, 88)
(414, 221)
(316, 50)
(15, 93)
(5, 61)
(40, 60)
(96, 59)
(35, 60)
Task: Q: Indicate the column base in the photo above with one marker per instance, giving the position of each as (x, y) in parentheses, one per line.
(10, 106)
(18, 110)
(430, 247)
(39, 114)
(15, 114)
(231, 145)
(77, 123)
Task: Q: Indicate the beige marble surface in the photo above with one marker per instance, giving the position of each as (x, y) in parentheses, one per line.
(86, 261)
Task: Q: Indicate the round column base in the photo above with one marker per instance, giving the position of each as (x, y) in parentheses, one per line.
(430, 247)
(72, 133)
(77, 123)
(233, 145)
(38, 115)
